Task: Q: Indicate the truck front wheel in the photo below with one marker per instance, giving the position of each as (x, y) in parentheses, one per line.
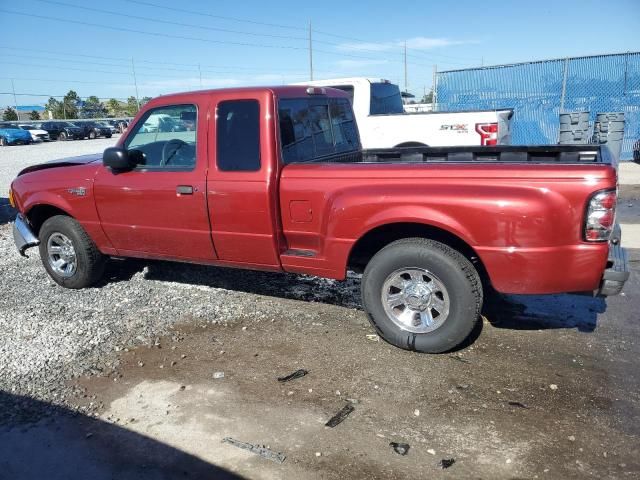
(422, 295)
(68, 253)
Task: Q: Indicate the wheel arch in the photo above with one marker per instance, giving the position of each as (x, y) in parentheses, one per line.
(382, 235)
(40, 213)
(411, 144)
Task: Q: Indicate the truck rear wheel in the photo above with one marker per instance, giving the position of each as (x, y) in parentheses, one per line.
(422, 295)
(68, 253)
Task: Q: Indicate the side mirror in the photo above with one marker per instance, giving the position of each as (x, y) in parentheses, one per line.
(118, 158)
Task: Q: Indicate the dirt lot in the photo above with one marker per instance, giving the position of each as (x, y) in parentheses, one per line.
(120, 381)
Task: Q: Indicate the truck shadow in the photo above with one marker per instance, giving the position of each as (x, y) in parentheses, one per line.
(7, 213)
(39, 440)
(539, 312)
(517, 312)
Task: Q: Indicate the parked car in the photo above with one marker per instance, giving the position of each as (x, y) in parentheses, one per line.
(163, 123)
(280, 183)
(37, 134)
(63, 131)
(13, 135)
(112, 128)
(93, 129)
(120, 124)
(383, 122)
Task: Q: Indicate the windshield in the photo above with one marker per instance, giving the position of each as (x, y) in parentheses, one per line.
(385, 99)
(27, 127)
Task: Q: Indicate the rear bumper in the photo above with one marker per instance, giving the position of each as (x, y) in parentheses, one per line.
(617, 272)
(23, 236)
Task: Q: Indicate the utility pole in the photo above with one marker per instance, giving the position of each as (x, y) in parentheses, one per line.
(15, 101)
(434, 88)
(406, 86)
(310, 54)
(135, 82)
(200, 73)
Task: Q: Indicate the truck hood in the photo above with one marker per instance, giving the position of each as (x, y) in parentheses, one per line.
(64, 162)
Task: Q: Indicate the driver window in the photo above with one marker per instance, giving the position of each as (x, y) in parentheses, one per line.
(166, 136)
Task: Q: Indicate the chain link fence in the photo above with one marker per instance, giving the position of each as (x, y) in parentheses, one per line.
(539, 91)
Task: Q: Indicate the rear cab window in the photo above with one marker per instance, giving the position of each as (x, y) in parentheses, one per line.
(238, 135)
(385, 99)
(315, 129)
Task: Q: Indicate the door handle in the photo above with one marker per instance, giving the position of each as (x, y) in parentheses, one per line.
(184, 190)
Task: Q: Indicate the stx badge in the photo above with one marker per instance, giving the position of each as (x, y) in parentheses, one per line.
(79, 191)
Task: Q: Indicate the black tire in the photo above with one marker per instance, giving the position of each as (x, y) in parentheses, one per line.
(3, 142)
(62, 136)
(90, 262)
(454, 271)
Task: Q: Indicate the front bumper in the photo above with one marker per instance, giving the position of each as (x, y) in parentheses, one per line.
(617, 272)
(23, 236)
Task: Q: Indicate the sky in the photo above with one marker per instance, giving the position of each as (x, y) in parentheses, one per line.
(51, 46)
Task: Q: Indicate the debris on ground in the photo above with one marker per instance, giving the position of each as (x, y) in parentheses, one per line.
(292, 376)
(459, 358)
(373, 337)
(400, 448)
(218, 375)
(340, 416)
(261, 450)
(517, 404)
(431, 451)
(416, 412)
(446, 462)
(553, 386)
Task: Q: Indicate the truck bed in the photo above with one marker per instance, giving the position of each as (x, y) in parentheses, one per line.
(560, 154)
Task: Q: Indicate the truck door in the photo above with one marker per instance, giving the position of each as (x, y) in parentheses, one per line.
(242, 182)
(159, 208)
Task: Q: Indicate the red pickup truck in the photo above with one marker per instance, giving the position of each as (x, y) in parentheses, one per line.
(275, 179)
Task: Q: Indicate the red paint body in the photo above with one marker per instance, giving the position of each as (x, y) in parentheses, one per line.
(524, 221)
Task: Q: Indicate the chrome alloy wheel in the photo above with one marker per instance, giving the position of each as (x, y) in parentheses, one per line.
(415, 299)
(61, 255)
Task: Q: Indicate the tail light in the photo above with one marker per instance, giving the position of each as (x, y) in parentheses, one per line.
(488, 133)
(601, 216)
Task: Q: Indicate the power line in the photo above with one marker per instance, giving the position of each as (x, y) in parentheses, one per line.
(49, 95)
(168, 22)
(276, 25)
(183, 37)
(138, 60)
(204, 14)
(143, 32)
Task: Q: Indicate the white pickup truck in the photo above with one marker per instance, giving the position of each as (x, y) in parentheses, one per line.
(383, 123)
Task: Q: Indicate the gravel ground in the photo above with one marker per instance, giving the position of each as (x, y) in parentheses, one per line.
(49, 334)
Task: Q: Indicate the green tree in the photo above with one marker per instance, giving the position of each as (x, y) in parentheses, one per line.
(132, 106)
(55, 107)
(34, 115)
(144, 101)
(10, 114)
(114, 107)
(93, 108)
(70, 104)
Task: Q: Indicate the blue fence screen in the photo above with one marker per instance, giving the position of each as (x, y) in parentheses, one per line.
(539, 91)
